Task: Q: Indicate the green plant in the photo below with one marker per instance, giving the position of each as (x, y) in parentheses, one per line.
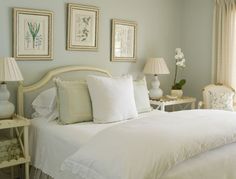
(34, 30)
(179, 85)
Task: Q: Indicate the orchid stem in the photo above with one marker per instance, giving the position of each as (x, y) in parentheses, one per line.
(176, 72)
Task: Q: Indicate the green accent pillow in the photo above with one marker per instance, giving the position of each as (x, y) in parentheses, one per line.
(141, 96)
(73, 101)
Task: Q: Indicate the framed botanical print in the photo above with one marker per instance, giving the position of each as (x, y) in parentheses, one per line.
(82, 30)
(33, 34)
(124, 41)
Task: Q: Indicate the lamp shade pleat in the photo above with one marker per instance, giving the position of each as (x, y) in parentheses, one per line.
(156, 66)
(9, 70)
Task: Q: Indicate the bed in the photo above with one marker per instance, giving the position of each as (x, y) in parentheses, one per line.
(180, 145)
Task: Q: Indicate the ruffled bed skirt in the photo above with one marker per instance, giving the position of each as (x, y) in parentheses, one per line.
(38, 174)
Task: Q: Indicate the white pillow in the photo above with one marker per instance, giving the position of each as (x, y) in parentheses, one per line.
(112, 98)
(222, 101)
(45, 104)
(141, 96)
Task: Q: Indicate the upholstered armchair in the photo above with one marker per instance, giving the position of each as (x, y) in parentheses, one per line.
(218, 97)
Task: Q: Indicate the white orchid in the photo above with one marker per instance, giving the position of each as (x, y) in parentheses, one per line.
(180, 62)
(177, 50)
(179, 55)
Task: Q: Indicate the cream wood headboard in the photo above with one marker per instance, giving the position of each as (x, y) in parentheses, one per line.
(22, 90)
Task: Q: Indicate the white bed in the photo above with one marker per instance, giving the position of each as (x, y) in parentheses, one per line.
(51, 143)
(180, 145)
(54, 143)
(56, 150)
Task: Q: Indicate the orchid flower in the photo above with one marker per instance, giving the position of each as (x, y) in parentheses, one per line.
(180, 62)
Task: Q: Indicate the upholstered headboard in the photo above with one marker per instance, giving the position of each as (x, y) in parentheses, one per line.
(26, 94)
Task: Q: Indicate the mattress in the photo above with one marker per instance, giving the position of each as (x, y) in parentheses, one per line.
(51, 143)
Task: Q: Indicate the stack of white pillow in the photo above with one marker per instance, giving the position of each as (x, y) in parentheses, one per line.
(101, 99)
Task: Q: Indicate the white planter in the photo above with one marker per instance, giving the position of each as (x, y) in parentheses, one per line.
(177, 93)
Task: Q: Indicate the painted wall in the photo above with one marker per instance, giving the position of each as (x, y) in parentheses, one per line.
(158, 35)
(196, 41)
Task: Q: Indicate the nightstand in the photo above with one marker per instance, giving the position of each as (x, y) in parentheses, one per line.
(183, 102)
(17, 145)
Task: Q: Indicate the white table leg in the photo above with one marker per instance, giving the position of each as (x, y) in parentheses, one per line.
(12, 172)
(12, 168)
(162, 107)
(26, 147)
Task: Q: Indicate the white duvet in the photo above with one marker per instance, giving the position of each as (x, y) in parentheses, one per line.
(51, 144)
(149, 147)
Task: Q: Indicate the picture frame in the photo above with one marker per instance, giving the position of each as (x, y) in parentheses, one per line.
(82, 27)
(32, 34)
(123, 41)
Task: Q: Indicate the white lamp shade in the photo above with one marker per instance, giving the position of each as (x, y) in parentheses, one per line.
(9, 70)
(156, 66)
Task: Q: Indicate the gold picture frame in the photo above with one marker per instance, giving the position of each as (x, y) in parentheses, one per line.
(32, 34)
(82, 27)
(123, 41)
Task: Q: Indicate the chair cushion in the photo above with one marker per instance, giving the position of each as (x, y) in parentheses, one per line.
(221, 101)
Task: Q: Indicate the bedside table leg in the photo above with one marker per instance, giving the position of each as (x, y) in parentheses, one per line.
(26, 170)
(162, 107)
(26, 146)
(12, 172)
(12, 168)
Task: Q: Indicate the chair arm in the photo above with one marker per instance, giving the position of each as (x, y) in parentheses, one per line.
(200, 104)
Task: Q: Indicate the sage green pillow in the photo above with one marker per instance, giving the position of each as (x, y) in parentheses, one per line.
(141, 96)
(73, 101)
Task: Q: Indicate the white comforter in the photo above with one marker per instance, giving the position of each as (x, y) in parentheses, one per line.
(51, 144)
(149, 147)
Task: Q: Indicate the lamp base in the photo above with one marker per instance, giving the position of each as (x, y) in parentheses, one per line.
(155, 92)
(6, 108)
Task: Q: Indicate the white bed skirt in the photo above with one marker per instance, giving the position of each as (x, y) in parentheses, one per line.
(38, 174)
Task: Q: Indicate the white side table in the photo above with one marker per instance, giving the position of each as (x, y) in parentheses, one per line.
(20, 126)
(184, 102)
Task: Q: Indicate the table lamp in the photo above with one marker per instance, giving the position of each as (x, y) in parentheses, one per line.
(156, 66)
(9, 71)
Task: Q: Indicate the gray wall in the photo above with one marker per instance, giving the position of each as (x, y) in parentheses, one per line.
(196, 38)
(158, 35)
(163, 25)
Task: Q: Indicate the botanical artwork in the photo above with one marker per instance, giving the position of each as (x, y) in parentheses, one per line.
(123, 40)
(32, 34)
(82, 27)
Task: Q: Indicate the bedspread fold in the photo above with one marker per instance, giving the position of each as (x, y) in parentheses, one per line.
(147, 148)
